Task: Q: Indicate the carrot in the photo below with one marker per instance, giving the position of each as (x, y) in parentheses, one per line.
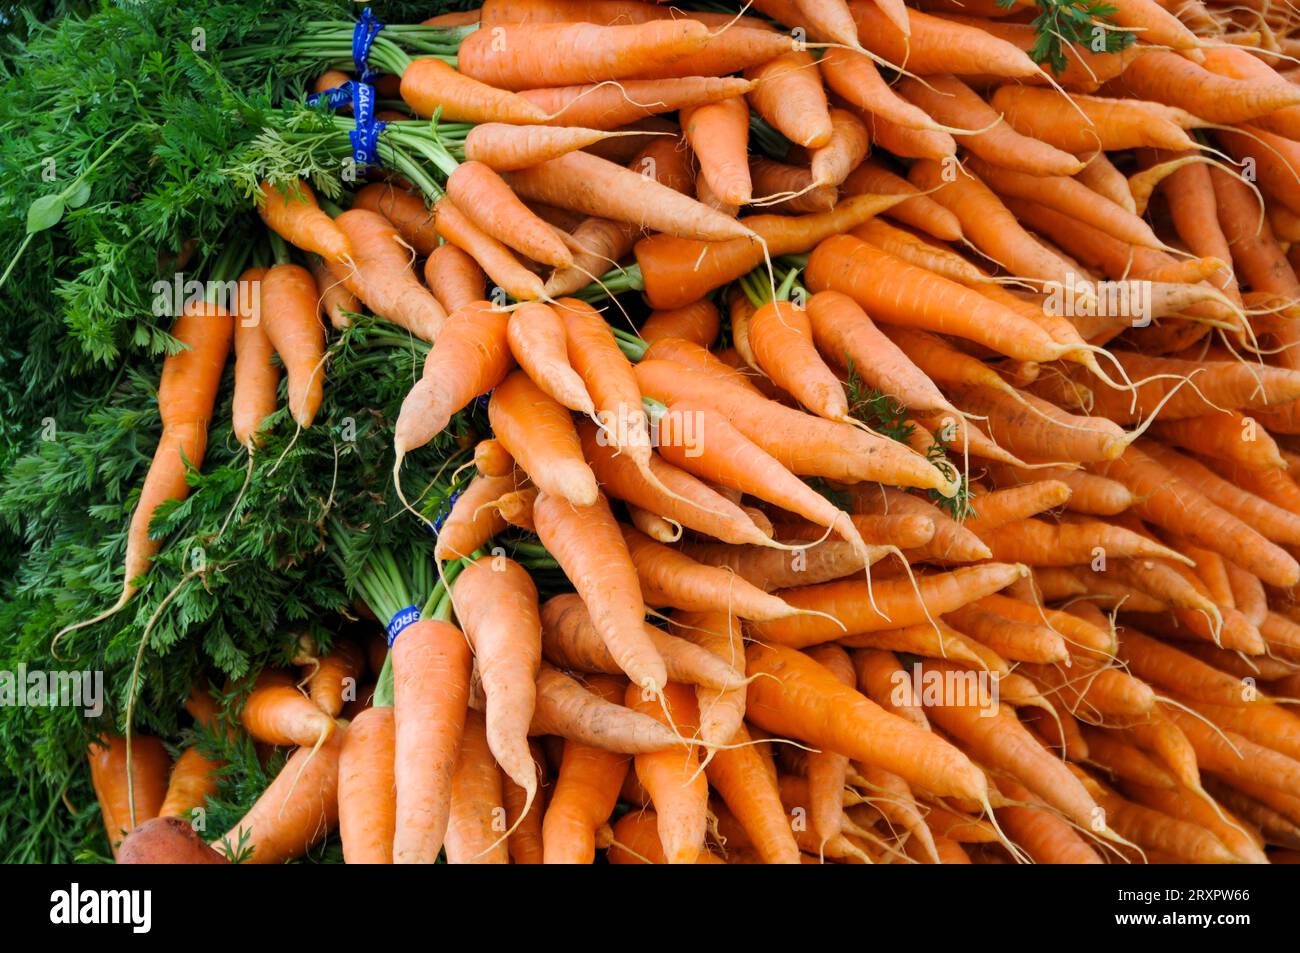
(953, 103)
(1158, 832)
(1112, 123)
(1039, 543)
(586, 791)
(571, 639)
(193, 779)
(678, 271)
(636, 840)
(1227, 829)
(1012, 639)
(670, 578)
(470, 357)
(584, 715)
(431, 677)
(611, 106)
(587, 543)
(496, 603)
(536, 336)
(804, 445)
(701, 441)
(594, 186)
(187, 392)
(841, 328)
(473, 520)
(1044, 836)
(1124, 761)
(492, 255)
(1231, 436)
(999, 507)
(692, 503)
(256, 378)
(1161, 664)
(108, 775)
(1236, 757)
(1069, 196)
(506, 56)
(1001, 742)
(989, 224)
(477, 813)
(1176, 81)
(771, 569)
(1078, 632)
(292, 213)
(508, 148)
(603, 12)
(454, 277)
(335, 677)
(277, 713)
(296, 811)
(1268, 519)
(539, 434)
(293, 326)
(719, 134)
(849, 145)
(795, 182)
(382, 276)
(697, 322)
(405, 210)
(678, 790)
(367, 806)
(951, 541)
(607, 373)
(805, 701)
(524, 819)
(781, 337)
(1166, 500)
(1247, 593)
(431, 86)
(488, 202)
(918, 211)
(897, 293)
(854, 77)
(722, 710)
(788, 94)
(337, 300)
(938, 45)
(827, 771)
(882, 679)
(742, 781)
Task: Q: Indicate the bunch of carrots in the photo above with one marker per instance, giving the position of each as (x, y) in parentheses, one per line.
(935, 506)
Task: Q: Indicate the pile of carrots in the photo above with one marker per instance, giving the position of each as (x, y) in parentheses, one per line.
(894, 535)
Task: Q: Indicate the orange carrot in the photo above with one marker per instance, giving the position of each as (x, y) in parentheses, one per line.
(382, 276)
(496, 603)
(539, 434)
(587, 543)
(678, 790)
(366, 788)
(108, 775)
(507, 56)
(277, 713)
(477, 812)
(586, 791)
(454, 277)
(292, 213)
(431, 676)
(805, 701)
(406, 211)
(788, 93)
(296, 811)
(256, 378)
(293, 326)
(919, 211)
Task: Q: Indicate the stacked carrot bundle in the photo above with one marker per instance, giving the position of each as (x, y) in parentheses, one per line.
(949, 355)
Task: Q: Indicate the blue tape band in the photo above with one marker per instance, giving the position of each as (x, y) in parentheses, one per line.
(403, 618)
(363, 38)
